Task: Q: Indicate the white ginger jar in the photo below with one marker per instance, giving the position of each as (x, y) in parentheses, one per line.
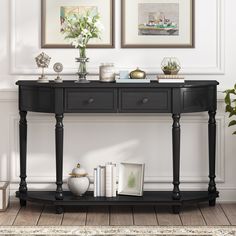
(78, 181)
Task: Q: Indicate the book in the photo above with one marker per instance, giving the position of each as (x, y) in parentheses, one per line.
(114, 181)
(98, 181)
(181, 81)
(95, 182)
(170, 79)
(170, 76)
(103, 181)
(109, 179)
(133, 81)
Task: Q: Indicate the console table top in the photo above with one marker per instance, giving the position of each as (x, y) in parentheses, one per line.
(98, 84)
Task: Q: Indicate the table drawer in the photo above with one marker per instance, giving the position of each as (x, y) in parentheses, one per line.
(141, 100)
(90, 100)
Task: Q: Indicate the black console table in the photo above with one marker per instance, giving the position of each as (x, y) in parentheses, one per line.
(97, 97)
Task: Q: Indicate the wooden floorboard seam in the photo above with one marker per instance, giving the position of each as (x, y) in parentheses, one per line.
(225, 214)
(40, 214)
(202, 214)
(16, 216)
(155, 210)
(132, 212)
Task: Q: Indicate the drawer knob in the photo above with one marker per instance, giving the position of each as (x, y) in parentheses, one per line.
(91, 100)
(145, 100)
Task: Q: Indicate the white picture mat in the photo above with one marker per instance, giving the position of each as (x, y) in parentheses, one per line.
(125, 169)
(53, 26)
(1, 199)
(131, 24)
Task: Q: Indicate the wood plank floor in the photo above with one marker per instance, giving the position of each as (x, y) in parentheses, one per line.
(198, 215)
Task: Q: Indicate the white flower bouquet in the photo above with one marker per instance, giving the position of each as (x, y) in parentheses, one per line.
(80, 28)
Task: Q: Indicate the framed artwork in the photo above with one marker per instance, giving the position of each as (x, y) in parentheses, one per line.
(52, 14)
(131, 178)
(157, 24)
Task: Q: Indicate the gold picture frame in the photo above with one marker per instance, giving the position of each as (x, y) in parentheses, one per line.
(52, 38)
(155, 32)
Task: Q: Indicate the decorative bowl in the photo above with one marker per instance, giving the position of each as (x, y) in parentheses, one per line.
(137, 74)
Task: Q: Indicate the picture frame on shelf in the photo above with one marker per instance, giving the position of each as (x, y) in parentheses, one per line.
(131, 179)
(52, 13)
(157, 24)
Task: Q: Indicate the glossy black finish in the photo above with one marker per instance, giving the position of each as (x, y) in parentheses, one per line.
(97, 97)
(212, 150)
(59, 132)
(176, 156)
(148, 198)
(23, 149)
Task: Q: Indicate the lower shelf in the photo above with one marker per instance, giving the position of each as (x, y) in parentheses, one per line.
(148, 198)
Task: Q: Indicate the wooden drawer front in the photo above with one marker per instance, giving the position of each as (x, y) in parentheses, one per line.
(143, 100)
(37, 99)
(90, 100)
(198, 99)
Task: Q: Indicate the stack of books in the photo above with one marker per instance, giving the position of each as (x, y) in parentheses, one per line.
(105, 180)
(170, 79)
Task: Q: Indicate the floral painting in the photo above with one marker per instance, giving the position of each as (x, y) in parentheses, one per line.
(158, 19)
(55, 13)
(68, 11)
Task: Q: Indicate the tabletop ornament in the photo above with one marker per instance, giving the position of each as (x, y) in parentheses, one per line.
(78, 29)
(43, 61)
(58, 68)
(170, 66)
(78, 181)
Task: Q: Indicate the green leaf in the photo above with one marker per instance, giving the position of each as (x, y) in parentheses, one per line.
(227, 99)
(235, 87)
(228, 108)
(232, 123)
(234, 133)
(232, 113)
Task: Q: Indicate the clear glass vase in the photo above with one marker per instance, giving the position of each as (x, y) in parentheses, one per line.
(82, 71)
(170, 66)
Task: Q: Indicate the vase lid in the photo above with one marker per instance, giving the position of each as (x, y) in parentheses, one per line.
(78, 171)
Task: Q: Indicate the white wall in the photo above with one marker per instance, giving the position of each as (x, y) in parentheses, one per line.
(94, 139)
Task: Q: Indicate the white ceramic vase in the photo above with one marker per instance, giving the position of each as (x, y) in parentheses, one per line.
(78, 181)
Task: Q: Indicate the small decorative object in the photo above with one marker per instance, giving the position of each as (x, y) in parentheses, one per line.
(131, 177)
(43, 61)
(124, 74)
(58, 68)
(78, 29)
(137, 74)
(78, 181)
(107, 73)
(231, 105)
(170, 66)
(4, 195)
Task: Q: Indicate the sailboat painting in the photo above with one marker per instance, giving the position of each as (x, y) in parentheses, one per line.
(158, 19)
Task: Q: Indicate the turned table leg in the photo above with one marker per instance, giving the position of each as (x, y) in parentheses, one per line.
(176, 156)
(59, 156)
(212, 154)
(23, 150)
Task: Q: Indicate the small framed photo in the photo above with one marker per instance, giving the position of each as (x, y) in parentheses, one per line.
(131, 177)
